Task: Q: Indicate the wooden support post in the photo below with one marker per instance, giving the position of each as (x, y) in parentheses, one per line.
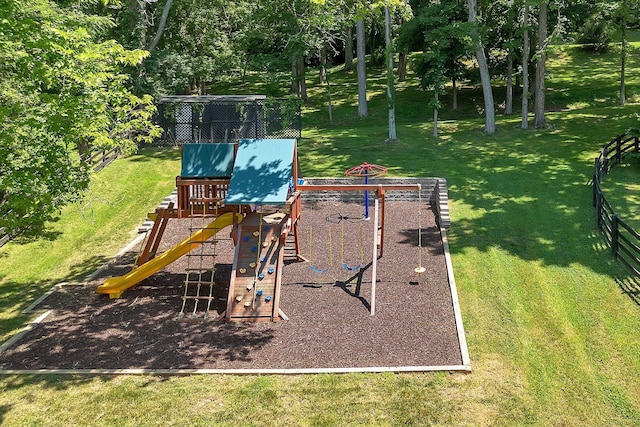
(382, 197)
(155, 235)
(374, 264)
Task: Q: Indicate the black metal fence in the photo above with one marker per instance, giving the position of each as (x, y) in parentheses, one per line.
(622, 238)
(227, 118)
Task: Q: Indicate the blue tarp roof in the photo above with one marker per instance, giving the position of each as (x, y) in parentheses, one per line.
(207, 160)
(262, 172)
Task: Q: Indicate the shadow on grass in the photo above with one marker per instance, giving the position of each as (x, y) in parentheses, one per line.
(630, 286)
(50, 382)
(16, 296)
(149, 154)
(526, 192)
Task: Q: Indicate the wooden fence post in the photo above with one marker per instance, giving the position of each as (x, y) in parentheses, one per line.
(599, 209)
(615, 235)
(596, 180)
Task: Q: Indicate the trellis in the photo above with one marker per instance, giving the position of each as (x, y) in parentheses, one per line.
(227, 118)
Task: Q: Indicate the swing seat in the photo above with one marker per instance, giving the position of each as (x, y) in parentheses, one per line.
(317, 270)
(354, 268)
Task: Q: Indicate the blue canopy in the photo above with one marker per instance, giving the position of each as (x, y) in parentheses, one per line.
(207, 160)
(262, 172)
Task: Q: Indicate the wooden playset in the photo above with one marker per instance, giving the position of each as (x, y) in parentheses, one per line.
(254, 187)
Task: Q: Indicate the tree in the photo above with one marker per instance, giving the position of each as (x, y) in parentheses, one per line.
(348, 47)
(485, 77)
(525, 67)
(391, 105)
(437, 30)
(63, 91)
(625, 12)
(540, 120)
(361, 69)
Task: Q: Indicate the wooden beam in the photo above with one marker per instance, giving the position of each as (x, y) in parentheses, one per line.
(356, 187)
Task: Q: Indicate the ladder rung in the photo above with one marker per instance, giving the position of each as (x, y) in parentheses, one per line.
(199, 269)
(203, 241)
(198, 282)
(198, 298)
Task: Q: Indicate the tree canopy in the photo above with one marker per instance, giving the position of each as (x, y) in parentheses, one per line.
(63, 92)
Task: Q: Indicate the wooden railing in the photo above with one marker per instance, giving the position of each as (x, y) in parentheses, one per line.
(99, 159)
(622, 238)
(200, 196)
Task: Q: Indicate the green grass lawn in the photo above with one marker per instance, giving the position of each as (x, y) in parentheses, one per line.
(551, 319)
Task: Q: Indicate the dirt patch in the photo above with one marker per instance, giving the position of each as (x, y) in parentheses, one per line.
(329, 322)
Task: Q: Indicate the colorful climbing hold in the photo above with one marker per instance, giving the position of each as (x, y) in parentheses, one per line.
(259, 292)
(270, 271)
(260, 276)
(267, 298)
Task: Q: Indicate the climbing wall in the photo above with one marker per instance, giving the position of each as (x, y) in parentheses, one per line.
(254, 291)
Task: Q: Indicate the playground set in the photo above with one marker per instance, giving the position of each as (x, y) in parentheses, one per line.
(253, 186)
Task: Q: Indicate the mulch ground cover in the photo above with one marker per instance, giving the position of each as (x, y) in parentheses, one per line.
(329, 324)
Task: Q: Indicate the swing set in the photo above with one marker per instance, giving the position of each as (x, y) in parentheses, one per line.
(379, 190)
(338, 219)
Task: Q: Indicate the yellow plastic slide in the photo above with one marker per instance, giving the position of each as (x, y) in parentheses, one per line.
(115, 286)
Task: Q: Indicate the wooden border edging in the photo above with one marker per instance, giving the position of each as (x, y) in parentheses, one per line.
(284, 371)
(462, 339)
(11, 341)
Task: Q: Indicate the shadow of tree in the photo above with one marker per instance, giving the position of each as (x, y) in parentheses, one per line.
(148, 154)
(139, 330)
(526, 193)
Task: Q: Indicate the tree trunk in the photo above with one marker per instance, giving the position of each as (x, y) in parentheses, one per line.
(302, 84)
(323, 66)
(623, 63)
(390, 77)
(329, 102)
(435, 114)
(161, 25)
(485, 77)
(348, 49)
(362, 73)
(402, 66)
(540, 121)
(525, 69)
(508, 105)
(454, 94)
(294, 77)
(298, 83)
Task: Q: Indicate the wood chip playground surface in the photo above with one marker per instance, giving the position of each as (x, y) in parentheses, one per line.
(416, 326)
